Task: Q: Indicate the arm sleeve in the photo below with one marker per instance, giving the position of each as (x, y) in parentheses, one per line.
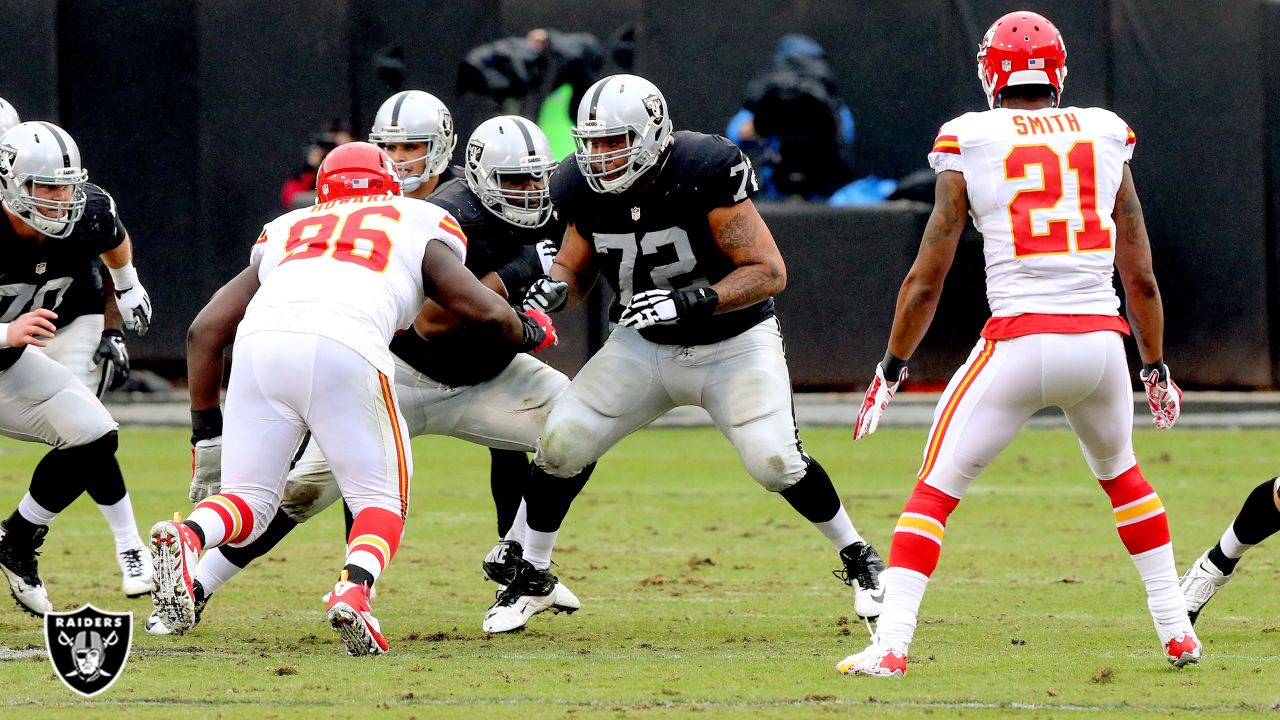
(103, 220)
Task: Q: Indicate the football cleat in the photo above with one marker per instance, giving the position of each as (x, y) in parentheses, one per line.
(175, 551)
(1199, 583)
(1179, 645)
(155, 626)
(878, 660)
(20, 567)
(349, 614)
(862, 568)
(533, 591)
(135, 569)
(503, 561)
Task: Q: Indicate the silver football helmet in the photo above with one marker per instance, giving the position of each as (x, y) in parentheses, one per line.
(42, 154)
(8, 116)
(414, 116)
(622, 130)
(508, 167)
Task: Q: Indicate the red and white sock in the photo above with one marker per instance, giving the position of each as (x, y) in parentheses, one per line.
(913, 556)
(1144, 530)
(223, 518)
(375, 536)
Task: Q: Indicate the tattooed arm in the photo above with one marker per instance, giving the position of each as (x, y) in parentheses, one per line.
(918, 298)
(1133, 260)
(741, 235)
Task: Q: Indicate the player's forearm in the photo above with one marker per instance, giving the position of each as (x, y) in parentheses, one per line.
(111, 317)
(1146, 316)
(580, 282)
(205, 367)
(119, 256)
(917, 303)
(750, 284)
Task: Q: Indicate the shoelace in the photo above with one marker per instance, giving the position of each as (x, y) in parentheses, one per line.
(858, 570)
(132, 561)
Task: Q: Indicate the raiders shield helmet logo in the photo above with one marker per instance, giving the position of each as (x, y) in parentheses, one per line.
(88, 647)
(474, 149)
(8, 154)
(653, 104)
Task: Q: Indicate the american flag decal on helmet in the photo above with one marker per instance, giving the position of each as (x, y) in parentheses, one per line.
(1035, 64)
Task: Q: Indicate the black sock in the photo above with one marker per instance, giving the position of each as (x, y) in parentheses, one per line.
(63, 473)
(813, 495)
(281, 524)
(548, 497)
(104, 484)
(17, 527)
(1225, 564)
(195, 528)
(508, 475)
(349, 518)
(359, 575)
(1259, 517)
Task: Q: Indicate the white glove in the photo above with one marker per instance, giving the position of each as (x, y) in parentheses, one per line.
(547, 252)
(546, 295)
(879, 393)
(1165, 400)
(653, 307)
(206, 469)
(132, 299)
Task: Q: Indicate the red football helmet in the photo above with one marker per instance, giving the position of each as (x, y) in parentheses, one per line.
(356, 169)
(1021, 48)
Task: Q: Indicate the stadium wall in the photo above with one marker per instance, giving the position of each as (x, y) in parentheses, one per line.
(192, 112)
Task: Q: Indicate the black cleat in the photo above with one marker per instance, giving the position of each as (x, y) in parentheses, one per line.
(531, 591)
(862, 568)
(20, 567)
(503, 562)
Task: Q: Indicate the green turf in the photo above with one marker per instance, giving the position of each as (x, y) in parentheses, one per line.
(702, 594)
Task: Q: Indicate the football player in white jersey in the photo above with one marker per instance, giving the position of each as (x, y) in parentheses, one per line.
(1050, 190)
(329, 286)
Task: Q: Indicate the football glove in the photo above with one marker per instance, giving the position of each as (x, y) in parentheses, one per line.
(206, 469)
(653, 307)
(132, 299)
(539, 332)
(1165, 400)
(114, 358)
(879, 393)
(546, 295)
(547, 252)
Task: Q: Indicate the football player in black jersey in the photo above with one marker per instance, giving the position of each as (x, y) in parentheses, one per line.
(667, 218)
(55, 228)
(458, 383)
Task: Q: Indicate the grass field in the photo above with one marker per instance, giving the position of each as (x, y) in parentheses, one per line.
(702, 595)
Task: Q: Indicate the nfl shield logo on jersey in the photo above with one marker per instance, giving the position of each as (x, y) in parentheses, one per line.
(635, 213)
(88, 647)
(41, 267)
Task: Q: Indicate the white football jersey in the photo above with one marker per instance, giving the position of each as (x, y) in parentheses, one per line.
(1042, 186)
(349, 269)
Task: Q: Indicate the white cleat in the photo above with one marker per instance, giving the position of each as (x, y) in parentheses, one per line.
(1199, 584)
(564, 601)
(135, 571)
(175, 551)
(155, 626)
(1180, 645)
(19, 565)
(533, 591)
(877, 660)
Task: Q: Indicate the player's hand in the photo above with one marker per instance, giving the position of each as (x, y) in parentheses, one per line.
(653, 307)
(206, 469)
(546, 295)
(547, 252)
(32, 328)
(135, 307)
(1164, 397)
(111, 353)
(879, 393)
(539, 332)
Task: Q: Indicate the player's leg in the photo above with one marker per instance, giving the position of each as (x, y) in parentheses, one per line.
(359, 428)
(744, 385)
(615, 393)
(1258, 519)
(41, 401)
(271, 380)
(74, 348)
(988, 399)
(1094, 392)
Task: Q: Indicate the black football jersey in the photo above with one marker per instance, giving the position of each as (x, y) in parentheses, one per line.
(465, 357)
(58, 274)
(657, 235)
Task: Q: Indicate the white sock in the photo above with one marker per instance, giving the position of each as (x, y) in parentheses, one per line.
(32, 512)
(519, 525)
(215, 569)
(538, 547)
(903, 591)
(839, 530)
(1160, 575)
(1231, 545)
(120, 517)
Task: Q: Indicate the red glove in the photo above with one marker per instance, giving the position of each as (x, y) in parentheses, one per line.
(879, 393)
(1165, 400)
(539, 332)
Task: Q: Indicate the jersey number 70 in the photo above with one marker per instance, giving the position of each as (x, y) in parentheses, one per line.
(1091, 237)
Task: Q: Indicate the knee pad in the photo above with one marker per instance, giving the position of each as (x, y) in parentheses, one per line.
(775, 471)
(306, 496)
